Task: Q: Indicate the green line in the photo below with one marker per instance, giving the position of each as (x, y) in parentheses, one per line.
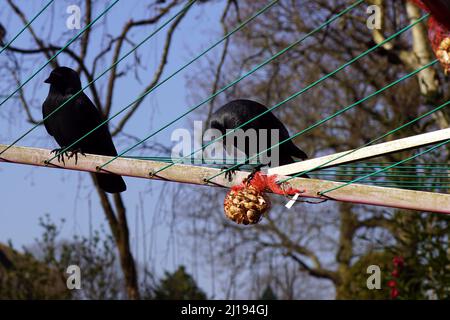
(387, 185)
(324, 172)
(329, 118)
(237, 80)
(416, 166)
(58, 52)
(303, 90)
(419, 187)
(103, 73)
(402, 168)
(327, 171)
(352, 168)
(377, 139)
(387, 175)
(26, 26)
(387, 168)
(411, 171)
(167, 79)
(413, 183)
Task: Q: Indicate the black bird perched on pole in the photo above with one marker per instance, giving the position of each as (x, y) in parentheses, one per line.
(74, 120)
(237, 112)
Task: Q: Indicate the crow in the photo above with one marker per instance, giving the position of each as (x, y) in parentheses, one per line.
(75, 119)
(237, 112)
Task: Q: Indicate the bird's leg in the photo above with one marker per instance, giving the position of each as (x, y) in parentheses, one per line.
(60, 156)
(254, 171)
(229, 174)
(74, 153)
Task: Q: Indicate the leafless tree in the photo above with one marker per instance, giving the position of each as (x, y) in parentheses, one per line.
(325, 240)
(89, 60)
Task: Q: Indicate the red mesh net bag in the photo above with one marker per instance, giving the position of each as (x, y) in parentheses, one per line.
(247, 202)
(438, 28)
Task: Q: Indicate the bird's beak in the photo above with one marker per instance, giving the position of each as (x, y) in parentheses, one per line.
(48, 80)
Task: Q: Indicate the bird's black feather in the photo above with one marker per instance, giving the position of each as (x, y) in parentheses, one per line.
(75, 119)
(237, 112)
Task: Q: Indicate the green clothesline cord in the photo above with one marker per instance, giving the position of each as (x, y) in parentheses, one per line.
(411, 171)
(167, 79)
(305, 89)
(387, 168)
(26, 26)
(416, 164)
(237, 80)
(58, 52)
(377, 139)
(387, 185)
(339, 169)
(103, 73)
(323, 172)
(405, 170)
(413, 183)
(369, 165)
(387, 175)
(420, 187)
(381, 164)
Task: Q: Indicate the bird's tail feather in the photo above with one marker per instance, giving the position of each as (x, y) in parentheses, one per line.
(297, 153)
(110, 183)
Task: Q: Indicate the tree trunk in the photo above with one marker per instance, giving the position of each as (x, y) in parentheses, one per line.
(117, 220)
(348, 224)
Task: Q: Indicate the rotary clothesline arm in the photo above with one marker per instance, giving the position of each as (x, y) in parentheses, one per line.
(354, 193)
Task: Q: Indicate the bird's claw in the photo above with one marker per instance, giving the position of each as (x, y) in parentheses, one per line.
(60, 155)
(229, 173)
(252, 174)
(74, 153)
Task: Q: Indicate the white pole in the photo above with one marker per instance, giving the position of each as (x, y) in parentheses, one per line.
(364, 153)
(355, 193)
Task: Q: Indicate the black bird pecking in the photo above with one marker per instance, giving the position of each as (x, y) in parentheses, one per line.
(74, 120)
(237, 112)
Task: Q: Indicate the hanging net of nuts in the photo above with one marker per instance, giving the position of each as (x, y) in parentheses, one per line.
(247, 202)
(438, 28)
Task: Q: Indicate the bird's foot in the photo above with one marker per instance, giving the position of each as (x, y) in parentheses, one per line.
(229, 173)
(60, 155)
(74, 153)
(254, 171)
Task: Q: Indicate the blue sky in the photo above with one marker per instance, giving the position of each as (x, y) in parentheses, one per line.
(28, 193)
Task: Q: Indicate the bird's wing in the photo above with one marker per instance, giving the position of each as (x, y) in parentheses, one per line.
(91, 115)
(47, 108)
(100, 141)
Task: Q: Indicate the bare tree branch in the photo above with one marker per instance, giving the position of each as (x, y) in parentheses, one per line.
(157, 75)
(316, 272)
(219, 67)
(33, 34)
(87, 33)
(113, 72)
(70, 53)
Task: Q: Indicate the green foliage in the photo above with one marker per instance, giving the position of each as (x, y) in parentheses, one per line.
(355, 283)
(40, 272)
(178, 285)
(25, 277)
(426, 273)
(95, 255)
(423, 243)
